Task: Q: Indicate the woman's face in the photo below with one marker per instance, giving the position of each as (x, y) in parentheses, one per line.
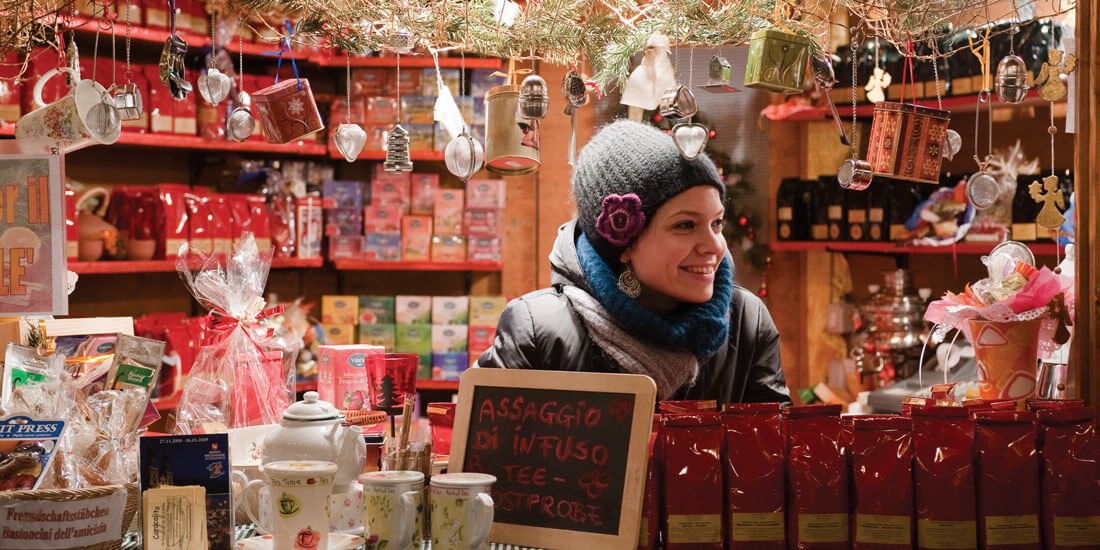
(677, 255)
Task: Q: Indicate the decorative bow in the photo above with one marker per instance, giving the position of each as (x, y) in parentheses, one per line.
(284, 47)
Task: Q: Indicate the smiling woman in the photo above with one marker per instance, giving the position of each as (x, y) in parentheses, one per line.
(642, 282)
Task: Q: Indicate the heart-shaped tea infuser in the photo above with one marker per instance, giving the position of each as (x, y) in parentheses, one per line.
(690, 138)
(350, 139)
(214, 85)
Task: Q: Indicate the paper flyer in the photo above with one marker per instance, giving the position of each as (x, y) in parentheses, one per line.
(32, 238)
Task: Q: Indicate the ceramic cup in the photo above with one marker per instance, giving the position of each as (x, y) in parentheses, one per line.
(345, 509)
(299, 511)
(462, 510)
(393, 502)
(84, 116)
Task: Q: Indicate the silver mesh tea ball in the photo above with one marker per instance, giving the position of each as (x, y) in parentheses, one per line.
(397, 150)
(534, 99)
(1011, 82)
(464, 156)
(240, 124)
(400, 41)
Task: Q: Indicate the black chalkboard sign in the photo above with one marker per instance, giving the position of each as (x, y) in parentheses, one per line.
(568, 451)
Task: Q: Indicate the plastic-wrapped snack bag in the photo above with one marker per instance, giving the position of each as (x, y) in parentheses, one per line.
(232, 383)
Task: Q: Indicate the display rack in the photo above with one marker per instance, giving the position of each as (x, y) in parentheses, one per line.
(170, 141)
(899, 248)
(108, 267)
(960, 105)
(373, 265)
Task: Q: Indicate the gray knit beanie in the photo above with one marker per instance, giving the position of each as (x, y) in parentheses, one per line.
(623, 175)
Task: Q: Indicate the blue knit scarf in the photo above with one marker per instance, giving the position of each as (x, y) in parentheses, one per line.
(701, 329)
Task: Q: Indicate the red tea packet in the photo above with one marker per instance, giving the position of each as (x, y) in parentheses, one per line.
(754, 467)
(1069, 477)
(692, 446)
(1036, 405)
(1007, 479)
(441, 418)
(880, 458)
(687, 406)
(817, 479)
(943, 478)
(975, 405)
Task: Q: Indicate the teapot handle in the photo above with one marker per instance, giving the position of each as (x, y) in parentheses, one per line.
(105, 200)
(38, 86)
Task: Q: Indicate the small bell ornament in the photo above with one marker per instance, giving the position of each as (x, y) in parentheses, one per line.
(350, 139)
(464, 156)
(240, 124)
(1011, 82)
(534, 99)
(397, 150)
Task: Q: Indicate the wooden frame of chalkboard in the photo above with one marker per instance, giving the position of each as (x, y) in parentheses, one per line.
(569, 451)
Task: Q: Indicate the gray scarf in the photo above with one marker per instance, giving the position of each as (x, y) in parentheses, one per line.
(669, 369)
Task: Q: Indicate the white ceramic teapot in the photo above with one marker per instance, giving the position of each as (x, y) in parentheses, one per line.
(312, 429)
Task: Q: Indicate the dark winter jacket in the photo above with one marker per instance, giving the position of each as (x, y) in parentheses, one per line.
(540, 330)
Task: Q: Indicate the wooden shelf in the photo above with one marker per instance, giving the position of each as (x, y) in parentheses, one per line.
(195, 42)
(106, 267)
(415, 156)
(1044, 248)
(374, 265)
(444, 385)
(175, 141)
(409, 61)
(965, 104)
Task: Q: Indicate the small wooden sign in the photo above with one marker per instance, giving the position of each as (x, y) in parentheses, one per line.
(569, 451)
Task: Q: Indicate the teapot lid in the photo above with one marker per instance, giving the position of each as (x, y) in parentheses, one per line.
(311, 408)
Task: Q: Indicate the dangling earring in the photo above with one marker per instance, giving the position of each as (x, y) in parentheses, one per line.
(629, 283)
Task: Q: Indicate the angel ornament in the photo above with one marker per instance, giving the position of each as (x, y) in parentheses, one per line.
(1052, 76)
(877, 84)
(1052, 200)
(651, 78)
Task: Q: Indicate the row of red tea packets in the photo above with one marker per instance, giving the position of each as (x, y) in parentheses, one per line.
(757, 476)
(382, 81)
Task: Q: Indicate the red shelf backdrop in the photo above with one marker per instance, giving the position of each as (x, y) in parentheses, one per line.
(897, 248)
(165, 266)
(368, 265)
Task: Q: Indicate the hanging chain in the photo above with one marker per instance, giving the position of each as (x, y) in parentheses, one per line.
(347, 106)
(213, 40)
(855, 121)
(114, 56)
(936, 74)
(240, 52)
(691, 66)
(399, 88)
(129, 31)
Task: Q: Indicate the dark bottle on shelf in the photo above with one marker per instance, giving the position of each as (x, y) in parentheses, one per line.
(836, 219)
(877, 206)
(818, 215)
(1025, 209)
(787, 214)
(904, 198)
(857, 205)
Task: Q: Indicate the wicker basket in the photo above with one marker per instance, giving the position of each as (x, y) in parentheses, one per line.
(133, 502)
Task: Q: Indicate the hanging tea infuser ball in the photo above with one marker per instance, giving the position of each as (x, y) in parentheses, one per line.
(103, 118)
(350, 139)
(1011, 82)
(464, 156)
(982, 190)
(952, 144)
(240, 124)
(397, 150)
(678, 103)
(690, 138)
(534, 99)
(214, 85)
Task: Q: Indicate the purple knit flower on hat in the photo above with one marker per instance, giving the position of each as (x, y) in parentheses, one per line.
(621, 218)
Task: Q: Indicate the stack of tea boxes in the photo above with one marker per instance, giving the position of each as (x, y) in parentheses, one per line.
(449, 333)
(407, 216)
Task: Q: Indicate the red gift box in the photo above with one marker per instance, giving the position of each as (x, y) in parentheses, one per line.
(200, 220)
(287, 110)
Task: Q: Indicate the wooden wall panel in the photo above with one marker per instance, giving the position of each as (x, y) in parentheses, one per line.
(1086, 343)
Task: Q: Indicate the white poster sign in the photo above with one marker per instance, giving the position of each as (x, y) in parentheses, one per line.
(40, 524)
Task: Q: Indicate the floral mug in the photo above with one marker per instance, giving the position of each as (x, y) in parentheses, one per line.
(462, 510)
(393, 502)
(85, 116)
(299, 503)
